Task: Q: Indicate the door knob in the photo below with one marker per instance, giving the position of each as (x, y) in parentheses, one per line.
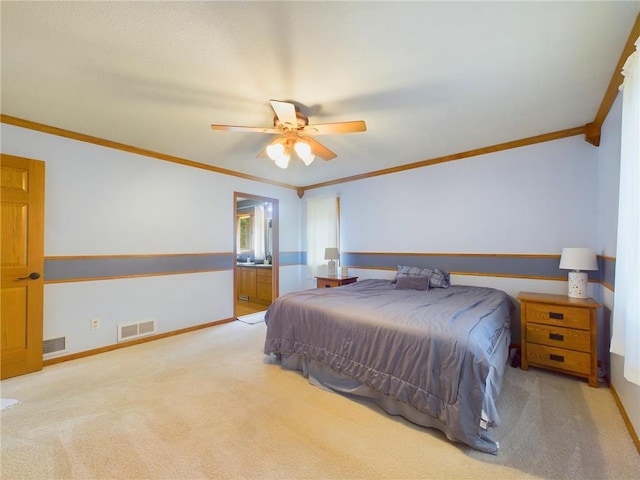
(32, 276)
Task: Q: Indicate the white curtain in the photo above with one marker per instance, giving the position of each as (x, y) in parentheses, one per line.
(258, 232)
(625, 340)
(322, 231)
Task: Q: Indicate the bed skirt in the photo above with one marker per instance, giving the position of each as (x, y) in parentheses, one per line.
(324, 377)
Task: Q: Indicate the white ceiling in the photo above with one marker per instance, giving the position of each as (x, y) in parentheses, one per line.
(429, 78)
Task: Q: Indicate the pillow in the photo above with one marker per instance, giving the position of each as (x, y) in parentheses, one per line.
(437, 278)
(413, 283)
(407, 271)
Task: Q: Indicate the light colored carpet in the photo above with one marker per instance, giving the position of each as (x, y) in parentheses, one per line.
(209, 404)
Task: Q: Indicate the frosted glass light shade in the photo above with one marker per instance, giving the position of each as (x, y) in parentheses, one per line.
(275, 150)
(280, 151)
(308, 159)
(303, 149)
(283, 160)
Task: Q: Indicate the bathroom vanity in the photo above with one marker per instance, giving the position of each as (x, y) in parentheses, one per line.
(254, 283)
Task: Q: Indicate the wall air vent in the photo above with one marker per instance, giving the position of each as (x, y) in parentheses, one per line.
(54, 346)
(131, 331)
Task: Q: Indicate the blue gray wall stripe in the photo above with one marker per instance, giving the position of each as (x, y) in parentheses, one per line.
(65, 269)
(293, 258)
(516, 265)
(607, 268)
(68, 269)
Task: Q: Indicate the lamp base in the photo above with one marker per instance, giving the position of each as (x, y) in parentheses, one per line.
(578, 284)
(331, 268)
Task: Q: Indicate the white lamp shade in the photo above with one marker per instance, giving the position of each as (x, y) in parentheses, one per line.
(578, 259)
(331, 254)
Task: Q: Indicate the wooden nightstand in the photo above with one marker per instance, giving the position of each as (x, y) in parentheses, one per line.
(559, 333)
(334, 281)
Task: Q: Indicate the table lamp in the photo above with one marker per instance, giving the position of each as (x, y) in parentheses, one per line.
(578, 259)
(332, 255)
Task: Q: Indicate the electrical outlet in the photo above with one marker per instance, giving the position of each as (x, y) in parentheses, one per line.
(95, 323)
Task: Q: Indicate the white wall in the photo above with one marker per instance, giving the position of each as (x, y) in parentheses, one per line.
(534, 199)
(530, 200)
(101, 201)
(609, 180)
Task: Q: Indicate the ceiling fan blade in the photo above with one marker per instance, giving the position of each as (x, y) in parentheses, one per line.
(286, 112)
(320, 150)
(334, 128)
(237, 128)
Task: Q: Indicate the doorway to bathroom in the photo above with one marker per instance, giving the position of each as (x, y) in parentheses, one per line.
(256, 252)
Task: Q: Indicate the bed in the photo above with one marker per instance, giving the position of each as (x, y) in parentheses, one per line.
(435, 356)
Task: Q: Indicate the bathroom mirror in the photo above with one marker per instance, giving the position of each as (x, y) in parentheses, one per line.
(254, 230)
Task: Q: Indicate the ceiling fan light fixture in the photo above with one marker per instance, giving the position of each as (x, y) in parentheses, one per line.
(303, 149)
(276, 149)
(294, 133)
(308, 160)
(283, 160)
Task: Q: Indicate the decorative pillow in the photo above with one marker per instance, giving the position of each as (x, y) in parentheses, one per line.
(413, 283)
(437, 278)
(407, 271)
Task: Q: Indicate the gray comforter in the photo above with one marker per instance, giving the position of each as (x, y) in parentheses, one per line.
(441, 351)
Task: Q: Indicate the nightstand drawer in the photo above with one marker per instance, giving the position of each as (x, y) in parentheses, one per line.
(559, 315)
(334, 281)
(566, 360)
(572, 339)
(327, 283)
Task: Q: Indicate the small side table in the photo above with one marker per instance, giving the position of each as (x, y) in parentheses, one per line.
(559, 333)
(334, 281)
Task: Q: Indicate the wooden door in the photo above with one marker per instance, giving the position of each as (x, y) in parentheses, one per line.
(22, 263)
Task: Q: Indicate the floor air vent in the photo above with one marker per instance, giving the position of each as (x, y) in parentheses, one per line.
(54, 346)
(130, 331)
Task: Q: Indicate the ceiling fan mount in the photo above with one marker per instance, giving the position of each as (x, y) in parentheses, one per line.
(293, 133)
(301, 122)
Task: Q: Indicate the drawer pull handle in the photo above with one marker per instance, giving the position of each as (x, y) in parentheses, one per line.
(556, 336)
(556, 358)
(556, 316)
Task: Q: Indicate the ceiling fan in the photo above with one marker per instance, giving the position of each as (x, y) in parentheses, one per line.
(293, 133)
